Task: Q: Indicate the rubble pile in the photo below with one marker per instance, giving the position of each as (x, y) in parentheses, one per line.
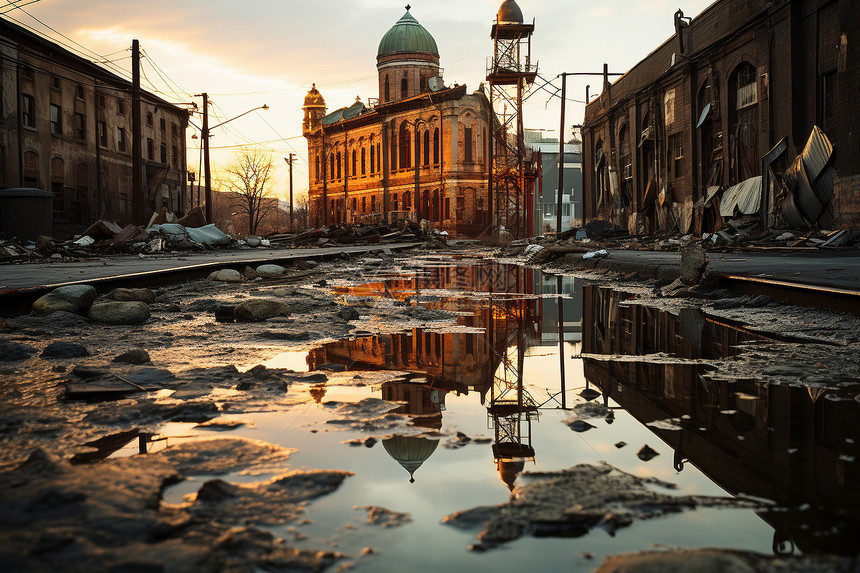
(346, 234)
(163, 233)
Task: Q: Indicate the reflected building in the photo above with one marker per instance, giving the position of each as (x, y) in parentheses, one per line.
(795, 445)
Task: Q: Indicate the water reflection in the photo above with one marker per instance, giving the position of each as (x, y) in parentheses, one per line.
(795, 445)
(510, 310)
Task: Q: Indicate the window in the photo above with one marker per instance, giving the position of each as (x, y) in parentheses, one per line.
(56, 120)
(28, 110)
(467, 150)
(372, 159)
(387, 89)
(101, 101)
(317, 167)
(174, 130)
(363, 161)
(120, 139)
(80, 127)
(162, 126)
(27, 72)
(423, 84)
(405, 159)
(174, 159)
(331, 166)
(394, 200)
(676, 153)
(427, 148)
(79, 91)
(162, 149)
(148, 119)
(101, 129)
(120, 107)
(354, 162)
(338, 160)
(364, 204)
(150, 149)
(404, 87)
(373, 203)
(55, 83)
(436, 146)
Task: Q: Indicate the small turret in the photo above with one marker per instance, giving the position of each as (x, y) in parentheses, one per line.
(314, 110)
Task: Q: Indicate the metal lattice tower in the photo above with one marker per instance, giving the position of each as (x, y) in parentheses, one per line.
(509, 73)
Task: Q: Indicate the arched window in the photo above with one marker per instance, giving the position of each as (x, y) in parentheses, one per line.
(331, 166)
(436, 146)
(743, 123)
(354, 162)
(404, 88)
(317, 167)
(467, 144)
(405, 162)
(387, 89)
(363, 164)
(426, 147)
(406, 204)
(338, 164)
(392, 153)
(378, 157)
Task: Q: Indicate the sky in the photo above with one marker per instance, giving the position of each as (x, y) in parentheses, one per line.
(252, 52)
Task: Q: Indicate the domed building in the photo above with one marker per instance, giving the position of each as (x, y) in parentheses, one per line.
(419, 150)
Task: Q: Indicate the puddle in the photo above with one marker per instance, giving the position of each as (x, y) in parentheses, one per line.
(516, 377)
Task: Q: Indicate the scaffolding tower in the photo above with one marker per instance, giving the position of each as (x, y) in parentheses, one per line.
(509, 73)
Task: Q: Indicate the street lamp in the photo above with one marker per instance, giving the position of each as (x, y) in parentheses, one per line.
(205, 136)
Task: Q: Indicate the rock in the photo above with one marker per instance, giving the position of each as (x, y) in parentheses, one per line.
(64, 319)
(270, 271)
(13, 351)
(679, 561)
(348, 313)
(226, 275)
(135, 356)
(646, 453)
(119, 312)
(597, 229)
(253, 241)
(503, 237)
(138, 294)
(225, 312)
(61, 349)
(72, 298)
(694, 261)
(261, 309)
(250, 274)
(579, 425)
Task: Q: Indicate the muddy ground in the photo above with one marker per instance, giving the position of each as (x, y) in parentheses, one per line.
(68, 502)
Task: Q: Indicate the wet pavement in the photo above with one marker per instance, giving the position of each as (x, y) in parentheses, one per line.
(463, 414)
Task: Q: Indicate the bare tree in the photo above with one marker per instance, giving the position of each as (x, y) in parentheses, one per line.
(248, 180)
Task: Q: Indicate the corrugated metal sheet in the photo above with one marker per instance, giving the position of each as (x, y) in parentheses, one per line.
(793, 216)
(816, 154)
(823, 186)
(745, 196)
(808, 203)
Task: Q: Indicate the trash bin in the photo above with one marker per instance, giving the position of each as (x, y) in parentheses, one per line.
(26, 213)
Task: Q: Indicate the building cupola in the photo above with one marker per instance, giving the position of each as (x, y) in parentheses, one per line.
(314, 110)
(406, 60)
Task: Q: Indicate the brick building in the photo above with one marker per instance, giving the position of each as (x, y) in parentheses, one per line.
(65, 126)
(419, 151)
(703, 109)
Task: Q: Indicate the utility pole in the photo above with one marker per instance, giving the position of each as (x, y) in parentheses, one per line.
(560, 191)
(137, 198)
(290, 160)
(207, 173)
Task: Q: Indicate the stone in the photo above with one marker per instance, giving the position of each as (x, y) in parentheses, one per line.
(597, 229)
(348, 313)
(134, 356)
(226, 276)
(62, 349)
(260, 309)
(119, 312)
(270, 271)
(250, 274)
(14, 351)
(139, 294)
(694, 261)
(253, 241)
(646, 453)
(71, 298)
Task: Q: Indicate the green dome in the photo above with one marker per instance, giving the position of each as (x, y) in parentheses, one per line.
(407, 35)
